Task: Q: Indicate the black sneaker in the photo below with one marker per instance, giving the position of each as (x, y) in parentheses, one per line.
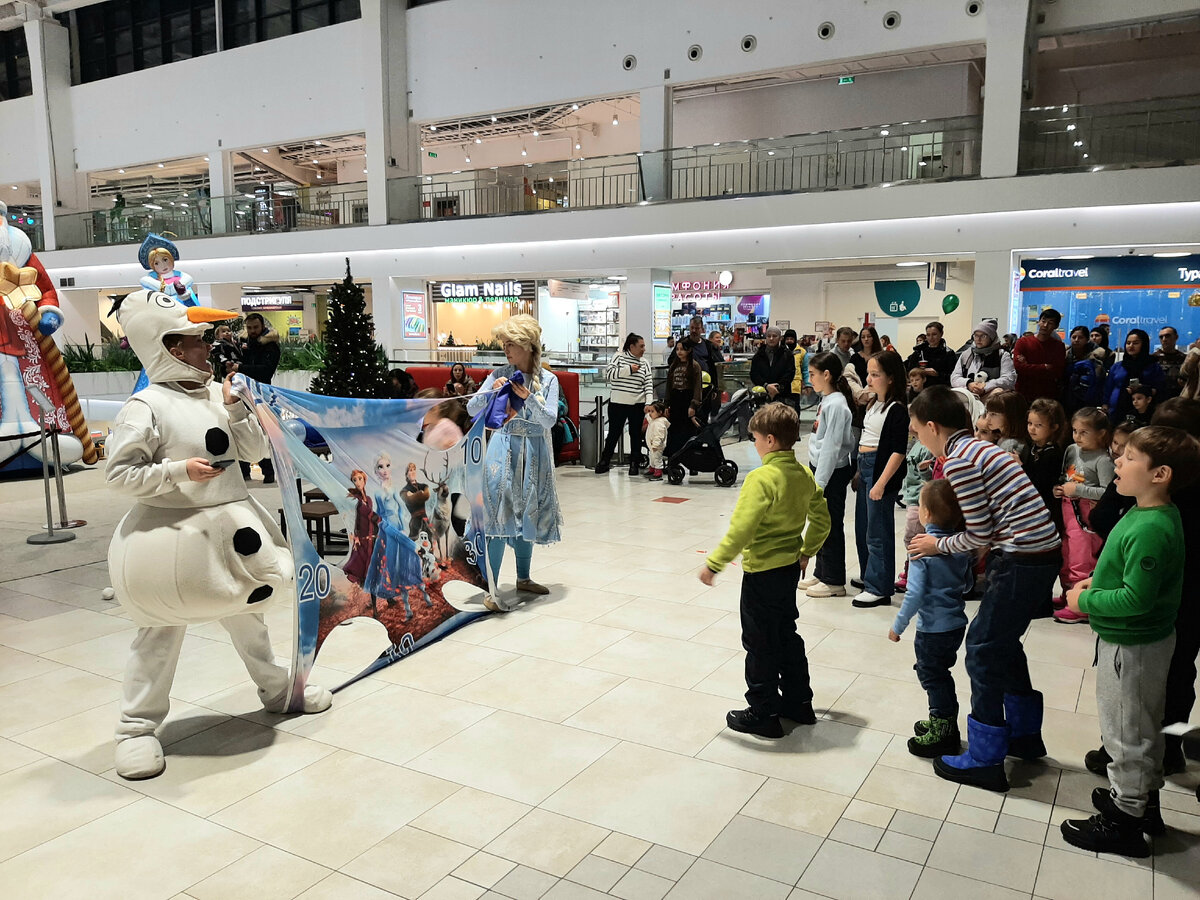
(747, 721)
(1096, 762)
(1152, 821)
(801, 713)
(1174, 762)
(603, 467)
(1100, 834)
(856, 582)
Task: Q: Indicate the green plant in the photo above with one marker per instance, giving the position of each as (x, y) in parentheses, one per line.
(302, 357)
(112, 357)
(489, 345)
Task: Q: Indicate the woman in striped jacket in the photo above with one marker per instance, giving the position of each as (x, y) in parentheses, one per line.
(632, 391)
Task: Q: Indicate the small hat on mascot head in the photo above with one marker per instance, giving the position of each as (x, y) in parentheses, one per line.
(149, 316)
(155, 242)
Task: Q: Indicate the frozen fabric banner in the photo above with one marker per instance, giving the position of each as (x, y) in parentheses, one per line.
(413, 557)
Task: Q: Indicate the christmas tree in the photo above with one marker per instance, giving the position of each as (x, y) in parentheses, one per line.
(354, 365)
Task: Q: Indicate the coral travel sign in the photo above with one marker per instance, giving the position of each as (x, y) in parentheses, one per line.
(510, 291)
(1111, 272)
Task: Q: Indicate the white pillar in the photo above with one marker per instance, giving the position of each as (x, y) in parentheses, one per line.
(656, 112)
(220, 188)
(392, 140)
(994, 271)
(63, 190)
(1004, 89)
(637, 309)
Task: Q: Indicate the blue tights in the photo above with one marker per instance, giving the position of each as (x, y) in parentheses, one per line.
(522, 549)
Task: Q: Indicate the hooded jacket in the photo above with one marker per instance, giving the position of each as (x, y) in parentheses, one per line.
(993, 361)
(260, 357)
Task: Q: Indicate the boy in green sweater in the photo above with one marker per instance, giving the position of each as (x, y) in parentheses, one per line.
(768, 529)
(1132, 600)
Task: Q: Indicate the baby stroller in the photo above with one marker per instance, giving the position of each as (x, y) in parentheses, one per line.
(702, 452)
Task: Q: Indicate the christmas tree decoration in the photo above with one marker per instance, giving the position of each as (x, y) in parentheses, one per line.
(354, 365)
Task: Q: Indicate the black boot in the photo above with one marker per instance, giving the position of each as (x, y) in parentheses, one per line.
(800, 713)
(1174, 762)
(747, 721)
(1152, 821)
(603, 466)
(1096, 761)
(1119, 833)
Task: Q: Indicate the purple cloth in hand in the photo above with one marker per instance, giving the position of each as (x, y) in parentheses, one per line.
(497, 411)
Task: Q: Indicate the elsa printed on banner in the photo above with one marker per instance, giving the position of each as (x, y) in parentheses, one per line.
(395, 567)
(520, 500)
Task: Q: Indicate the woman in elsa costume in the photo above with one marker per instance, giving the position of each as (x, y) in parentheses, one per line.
(394, 567)
(521, 501)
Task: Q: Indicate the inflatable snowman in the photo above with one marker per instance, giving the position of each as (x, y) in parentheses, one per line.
(195, 547)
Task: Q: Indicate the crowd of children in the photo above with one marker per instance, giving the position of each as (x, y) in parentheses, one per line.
(996, 514)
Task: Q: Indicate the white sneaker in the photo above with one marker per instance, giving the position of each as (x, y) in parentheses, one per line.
(808, 582)
(865, 600)
(820, 591)
(139, 757)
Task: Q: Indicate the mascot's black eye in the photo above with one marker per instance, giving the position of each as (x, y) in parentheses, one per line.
(164, 301)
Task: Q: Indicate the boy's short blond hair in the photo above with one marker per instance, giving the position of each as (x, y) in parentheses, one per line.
(779, 420)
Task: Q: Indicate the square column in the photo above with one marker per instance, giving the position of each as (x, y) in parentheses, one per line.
(637, 309)
(995, 271)
(657, 111)
(220, 187)
(1008, 51)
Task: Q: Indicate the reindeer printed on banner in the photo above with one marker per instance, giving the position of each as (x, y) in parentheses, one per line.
(439, 522)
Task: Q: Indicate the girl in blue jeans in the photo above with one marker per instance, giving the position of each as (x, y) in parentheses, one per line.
(881, 469)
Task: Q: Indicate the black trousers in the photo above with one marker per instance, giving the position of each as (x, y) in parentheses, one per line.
(1181, 676)
(776, 667)
(831, 558)
(621, 415)
(267, 465)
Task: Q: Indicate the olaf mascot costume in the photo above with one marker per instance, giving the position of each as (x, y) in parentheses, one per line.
(195, 547)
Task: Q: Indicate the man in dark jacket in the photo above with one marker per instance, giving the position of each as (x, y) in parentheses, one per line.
(773, 366)
(260, 358)
(933, 356)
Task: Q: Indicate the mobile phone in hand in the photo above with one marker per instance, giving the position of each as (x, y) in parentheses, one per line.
(222, 463)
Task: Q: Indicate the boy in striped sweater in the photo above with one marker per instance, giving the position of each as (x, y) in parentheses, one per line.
(1006, 517)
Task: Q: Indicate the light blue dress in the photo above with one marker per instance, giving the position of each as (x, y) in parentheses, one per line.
(521, 500)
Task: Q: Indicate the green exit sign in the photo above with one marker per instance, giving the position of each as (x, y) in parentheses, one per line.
(846, 79)
(434, 155)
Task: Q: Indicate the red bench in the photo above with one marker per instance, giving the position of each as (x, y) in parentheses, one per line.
(568, 384)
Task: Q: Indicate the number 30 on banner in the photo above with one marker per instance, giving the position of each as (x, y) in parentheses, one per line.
(313, 585)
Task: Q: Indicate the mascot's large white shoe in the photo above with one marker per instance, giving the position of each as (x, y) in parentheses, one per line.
(140, 757)
(189, 551)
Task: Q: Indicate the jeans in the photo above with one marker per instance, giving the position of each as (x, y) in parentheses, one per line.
(1018, 589)
(522, 550)
(936, 652)
(775, 660)
(875, 532)
(831, 558)
(620, 415)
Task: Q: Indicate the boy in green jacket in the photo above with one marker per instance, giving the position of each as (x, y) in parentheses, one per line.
(768, 529)
(1132, 600)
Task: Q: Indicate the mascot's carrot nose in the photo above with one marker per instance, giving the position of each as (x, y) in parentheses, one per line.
(208, 314)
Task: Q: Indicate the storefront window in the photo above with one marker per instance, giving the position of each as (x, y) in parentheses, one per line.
(465, 312)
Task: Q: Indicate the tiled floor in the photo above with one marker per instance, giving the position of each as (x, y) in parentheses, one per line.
(572, 749)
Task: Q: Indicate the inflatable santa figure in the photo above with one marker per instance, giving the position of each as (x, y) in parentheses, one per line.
(29, 314)
(196, 547)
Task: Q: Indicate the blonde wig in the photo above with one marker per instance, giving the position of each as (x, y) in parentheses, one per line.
(160, 253)
(525, 331)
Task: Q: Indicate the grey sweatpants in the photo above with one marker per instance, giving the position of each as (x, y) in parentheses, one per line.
(1131, 692)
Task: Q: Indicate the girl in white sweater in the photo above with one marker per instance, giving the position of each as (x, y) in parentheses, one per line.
(829, 457)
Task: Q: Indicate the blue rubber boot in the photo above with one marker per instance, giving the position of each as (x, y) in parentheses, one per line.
(1024, 715)
(983, 763)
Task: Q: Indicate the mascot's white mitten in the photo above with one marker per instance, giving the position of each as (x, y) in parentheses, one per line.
(140, 757)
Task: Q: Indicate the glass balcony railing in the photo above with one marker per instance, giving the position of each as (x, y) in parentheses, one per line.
(293, 209)
(130, 224)
(862, 157)
(34, 232)
(1112, 136)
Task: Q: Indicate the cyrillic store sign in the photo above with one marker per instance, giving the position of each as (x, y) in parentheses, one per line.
(1110, 272)
(500, 291)
(272, 301)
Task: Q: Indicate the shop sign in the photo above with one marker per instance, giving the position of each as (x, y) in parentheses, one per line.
(267, 302)
(562, 290)
(1113, 272)
(415, 325)
(897, 298)
(481, 291)
(662, 310)
(709, 289)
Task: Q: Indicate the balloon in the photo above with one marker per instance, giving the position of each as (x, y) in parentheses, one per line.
(950, 303)
(295, 428)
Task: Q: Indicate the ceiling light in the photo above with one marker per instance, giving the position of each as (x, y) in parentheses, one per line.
(265, 150)
(364, 171)
(577, 145)
(770, 153)
(716, 143)
(493, 118)
(248, 196)
(429, 178)
(574, 106)
(616, 121)
(536, 132)
(1077, 256)
(1078, 143)
(152, 206)
(524, 152)
(911, 262)
(206, 159)
(479, 140)
(467, 158)
(903, 149)
(884, 132)
(317, 143)
(456, 172)
(433, 128)
(14, 187)
(552, 179)
(1071, 127)
(315, 163)
(1064, 108)
(1171, 254)
(149, 196)
(121, 171)
(318, 176)
(161, 165)
(1085, 156)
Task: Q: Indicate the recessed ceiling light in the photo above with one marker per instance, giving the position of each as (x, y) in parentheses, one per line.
(552, 179)
(479, 140)
(364, 171)
(911, 262)
(1172, 254)
(616, 121)
(206, 159)
(265, 150)
(121, 171)
(161, 165)
(467, 158)
(314, 162)
(433, 128)
(524, 152)
(493, 119)
(577, 145)
(1078, 256)
(318, 176)
(574, 106)
(884, 132)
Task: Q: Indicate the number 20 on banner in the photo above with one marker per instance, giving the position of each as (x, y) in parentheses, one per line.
(314, 582)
